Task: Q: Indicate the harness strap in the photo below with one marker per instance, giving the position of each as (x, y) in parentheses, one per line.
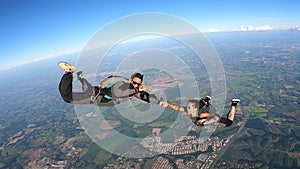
(93, 98)
(107, 97)
(100, 92)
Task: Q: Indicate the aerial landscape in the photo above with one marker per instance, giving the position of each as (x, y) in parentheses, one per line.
(39, 130)
(186, 51)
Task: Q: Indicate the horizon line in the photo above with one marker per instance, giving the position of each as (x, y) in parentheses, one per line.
(297, 28)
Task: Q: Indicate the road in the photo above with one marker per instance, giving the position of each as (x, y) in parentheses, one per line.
(229, 143)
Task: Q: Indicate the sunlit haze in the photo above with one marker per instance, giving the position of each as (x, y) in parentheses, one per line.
(35, 30)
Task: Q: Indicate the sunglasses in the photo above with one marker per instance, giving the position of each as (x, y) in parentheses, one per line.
(136, 83)
(191, 107)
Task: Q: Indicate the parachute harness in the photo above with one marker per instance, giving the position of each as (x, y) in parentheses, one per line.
(93, 98)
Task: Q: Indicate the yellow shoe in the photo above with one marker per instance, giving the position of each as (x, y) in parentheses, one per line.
(66, 67)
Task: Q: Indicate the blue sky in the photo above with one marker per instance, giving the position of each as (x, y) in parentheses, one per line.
(33, 30)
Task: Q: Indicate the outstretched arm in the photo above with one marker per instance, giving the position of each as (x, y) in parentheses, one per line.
(147, 97)
(173, 106)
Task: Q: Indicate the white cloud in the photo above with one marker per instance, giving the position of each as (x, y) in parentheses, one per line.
(256, 28)
(215, 30)
(296, 28)
(244, 28)
(253, 28)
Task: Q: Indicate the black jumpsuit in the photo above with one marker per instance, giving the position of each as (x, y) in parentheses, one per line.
(118, 93)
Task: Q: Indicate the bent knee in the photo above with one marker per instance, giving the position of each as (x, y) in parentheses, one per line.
(67, 99)
(228, 123)
(225, 122)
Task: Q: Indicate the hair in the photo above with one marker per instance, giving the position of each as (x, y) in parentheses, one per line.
(138, 75)
(196, 102)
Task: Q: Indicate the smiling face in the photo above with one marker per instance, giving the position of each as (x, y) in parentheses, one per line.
(136, 82)
(192, 108)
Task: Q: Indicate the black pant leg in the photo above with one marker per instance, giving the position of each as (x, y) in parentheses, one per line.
(86, 86)
(65, 87)
(224, 122)
(81, 98)
(66, 91)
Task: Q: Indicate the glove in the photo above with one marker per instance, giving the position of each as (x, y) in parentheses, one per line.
(143, 87)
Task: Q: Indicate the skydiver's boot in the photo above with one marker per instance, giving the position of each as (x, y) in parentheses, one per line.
(235, 101)
(79, 75)
(66, 67)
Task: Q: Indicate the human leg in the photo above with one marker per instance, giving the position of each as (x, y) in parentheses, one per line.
(65, 87)
(231, 113)
(86, 86)
(225, 122)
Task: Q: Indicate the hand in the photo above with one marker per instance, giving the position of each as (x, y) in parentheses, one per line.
(142, 87)
(201, 122)
(163, 103)
(181, 109)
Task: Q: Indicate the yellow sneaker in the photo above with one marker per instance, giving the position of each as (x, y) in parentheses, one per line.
(66, 67)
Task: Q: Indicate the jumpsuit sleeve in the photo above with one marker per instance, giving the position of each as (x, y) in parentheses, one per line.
(147, 97)
(122, 90)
